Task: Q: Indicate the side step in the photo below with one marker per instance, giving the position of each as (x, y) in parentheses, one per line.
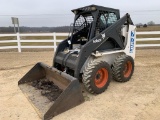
(50, 91)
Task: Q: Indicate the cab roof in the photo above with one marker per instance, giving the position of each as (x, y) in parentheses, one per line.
(93, 8)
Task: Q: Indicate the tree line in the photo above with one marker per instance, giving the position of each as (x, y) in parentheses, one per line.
(35, 29)
(24, 29)
(150, 23)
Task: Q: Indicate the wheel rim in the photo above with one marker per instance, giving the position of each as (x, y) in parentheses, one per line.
(128, 69)
(101, 77)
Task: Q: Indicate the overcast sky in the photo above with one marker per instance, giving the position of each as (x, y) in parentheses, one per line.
(58, 12)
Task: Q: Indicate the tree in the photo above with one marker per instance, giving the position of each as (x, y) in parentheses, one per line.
(139, 25)
(151, 23)
(145, 25)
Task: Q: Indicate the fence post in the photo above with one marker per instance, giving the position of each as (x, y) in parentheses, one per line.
(18, 42)
(54, 38)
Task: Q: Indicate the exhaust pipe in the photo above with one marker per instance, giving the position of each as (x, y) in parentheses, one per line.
(50, 91)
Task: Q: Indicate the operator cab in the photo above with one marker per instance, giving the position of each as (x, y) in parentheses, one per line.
(89, 22)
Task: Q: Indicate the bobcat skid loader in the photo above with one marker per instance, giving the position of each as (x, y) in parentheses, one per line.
(101, 45)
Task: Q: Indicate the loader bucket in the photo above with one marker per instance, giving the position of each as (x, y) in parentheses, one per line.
(50, 91)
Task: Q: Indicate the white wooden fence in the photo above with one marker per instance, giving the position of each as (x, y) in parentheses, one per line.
(55, 40)
(19, 41)
(148, 39)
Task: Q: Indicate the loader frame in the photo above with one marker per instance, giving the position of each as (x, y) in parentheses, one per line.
(112, 32)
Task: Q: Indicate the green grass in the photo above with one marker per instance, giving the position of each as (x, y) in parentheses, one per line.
(148, 36)
(8, 38)
(8, 44)
(148, 42)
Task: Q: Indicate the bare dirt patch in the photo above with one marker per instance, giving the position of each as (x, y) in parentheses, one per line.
(137, 99)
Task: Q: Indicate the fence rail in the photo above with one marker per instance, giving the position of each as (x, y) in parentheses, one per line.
(19, 41)
(148, 39)
(54, 40)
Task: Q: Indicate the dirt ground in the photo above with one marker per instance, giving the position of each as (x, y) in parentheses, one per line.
(138, 99)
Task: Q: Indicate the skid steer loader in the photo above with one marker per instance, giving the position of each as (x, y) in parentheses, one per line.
(101, 45)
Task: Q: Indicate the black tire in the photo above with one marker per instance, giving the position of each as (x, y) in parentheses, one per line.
(123, 68)
(96, 76)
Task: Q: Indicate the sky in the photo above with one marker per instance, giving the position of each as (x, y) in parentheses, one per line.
(51, 13)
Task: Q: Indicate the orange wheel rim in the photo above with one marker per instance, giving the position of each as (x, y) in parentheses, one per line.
(101, 77)
(128, 69)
